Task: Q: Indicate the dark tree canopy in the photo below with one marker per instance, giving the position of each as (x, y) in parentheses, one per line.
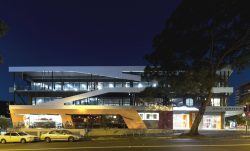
(200, 30)
(200, 38)
(3, 30)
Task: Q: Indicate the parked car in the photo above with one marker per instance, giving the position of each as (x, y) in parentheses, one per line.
(2, 132)
(21, 137)
(59, 135)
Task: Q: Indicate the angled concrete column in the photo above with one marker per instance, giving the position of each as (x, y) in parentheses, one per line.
(67, 121)
(17, 120)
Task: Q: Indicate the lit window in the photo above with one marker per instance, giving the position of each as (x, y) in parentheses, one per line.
(154, 116)
(127, 85)
(141, 115)
(99, 87)
(215, 101)
(69, 86)
(149, 116)
(111, 85)
(83, 86)
(39, 101)
(57, 86)
(189, 102)
(154, 85)
(180, 121)
(140, 85)
(211, 122)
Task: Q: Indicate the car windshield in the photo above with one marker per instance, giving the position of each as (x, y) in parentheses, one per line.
(54, 132)
(22, 133)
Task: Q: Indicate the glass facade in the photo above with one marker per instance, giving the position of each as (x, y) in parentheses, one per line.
(189, 102)
(98, 121)
(211, 122)
(181, 121)
(39, 100)
(215, 102)
(149, 116)
(112, 101)
(85, 86)
(43, 121)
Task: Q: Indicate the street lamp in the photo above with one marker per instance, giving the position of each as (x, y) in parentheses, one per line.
(246, 113)
(245, 117)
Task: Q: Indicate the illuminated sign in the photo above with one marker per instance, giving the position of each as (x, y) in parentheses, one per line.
(223, 108)
(149, 116)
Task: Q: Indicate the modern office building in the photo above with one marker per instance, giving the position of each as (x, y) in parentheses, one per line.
(106, 96)
(242, 95)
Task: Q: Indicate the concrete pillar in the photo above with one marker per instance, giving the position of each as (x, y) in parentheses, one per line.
(134, 121)
(222, 115)
(29, 100)
(190, 119)
(67, 121)
(17, 120)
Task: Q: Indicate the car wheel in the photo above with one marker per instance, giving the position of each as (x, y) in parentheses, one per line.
(47, 139)
(71, 139)
(3, 141)
(23, 140)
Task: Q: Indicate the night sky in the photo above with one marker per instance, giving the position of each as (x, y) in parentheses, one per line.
(80, 33)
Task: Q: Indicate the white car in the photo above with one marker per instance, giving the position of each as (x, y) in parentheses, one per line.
(17, 137)
(59, 135)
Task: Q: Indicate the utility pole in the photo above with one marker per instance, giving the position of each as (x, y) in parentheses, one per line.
(245, 115)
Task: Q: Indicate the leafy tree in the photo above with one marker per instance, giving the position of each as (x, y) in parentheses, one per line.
(3, 30)
(199, 39)
(238, 119)
(4, 123)
(244, 100)
(150, 94)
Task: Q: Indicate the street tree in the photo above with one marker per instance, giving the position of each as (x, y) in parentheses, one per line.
(199, 39)
(4, 123)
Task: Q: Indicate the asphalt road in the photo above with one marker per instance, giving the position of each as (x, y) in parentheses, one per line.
(137, 143)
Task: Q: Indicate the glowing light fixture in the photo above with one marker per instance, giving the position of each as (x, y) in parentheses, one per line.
(111, 85)
(184, 108)
(126, 85)
(154, 85)
(140, 85)
(99, 87)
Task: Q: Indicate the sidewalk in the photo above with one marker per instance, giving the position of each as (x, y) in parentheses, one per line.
(203, 135)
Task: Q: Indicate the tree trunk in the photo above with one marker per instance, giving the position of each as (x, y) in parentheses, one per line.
(194, 129)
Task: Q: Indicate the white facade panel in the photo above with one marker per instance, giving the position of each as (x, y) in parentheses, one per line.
(106, 71)
(222, 90)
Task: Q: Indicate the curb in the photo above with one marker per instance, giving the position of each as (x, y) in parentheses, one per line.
(245, 136)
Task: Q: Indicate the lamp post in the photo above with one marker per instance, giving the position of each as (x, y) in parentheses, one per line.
(246, 110)
(245, 117)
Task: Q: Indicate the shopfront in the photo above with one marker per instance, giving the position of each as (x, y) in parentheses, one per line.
(183, 117)
(211, 122)
(42, 121)
(181, 121)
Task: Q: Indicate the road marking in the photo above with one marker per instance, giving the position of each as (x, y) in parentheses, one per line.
(117, 147)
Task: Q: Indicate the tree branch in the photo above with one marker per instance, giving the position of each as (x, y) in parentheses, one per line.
(233, 48)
